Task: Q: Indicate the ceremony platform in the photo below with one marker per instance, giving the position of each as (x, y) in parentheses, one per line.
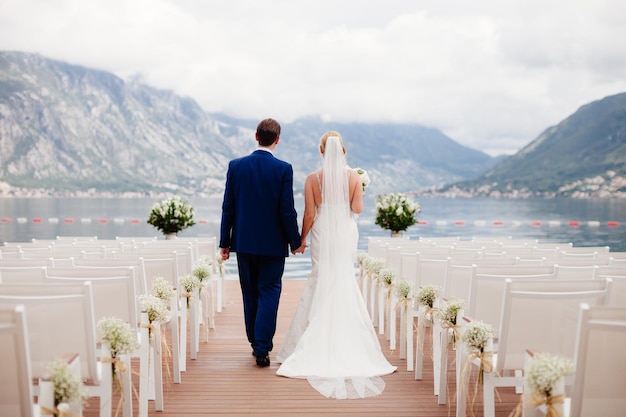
(225, 381)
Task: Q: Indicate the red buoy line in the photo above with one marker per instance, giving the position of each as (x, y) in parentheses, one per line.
(118, 220)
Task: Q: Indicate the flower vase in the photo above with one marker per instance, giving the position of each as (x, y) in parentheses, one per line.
(396, 234)
(170, 236)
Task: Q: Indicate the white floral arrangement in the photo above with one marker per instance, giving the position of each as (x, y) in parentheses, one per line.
(201, 270)
(118, 335)
(544, 370)
(155, 307)
(365, 178)
(427, 295)
(403, 289)
(220, 262)
(374, 265)
(361, 258)
(163, 289)
(68, 386)
(171, 215)
(449, 310)
(396, 211)
(191, 284)
(477, 335)
(387, 276)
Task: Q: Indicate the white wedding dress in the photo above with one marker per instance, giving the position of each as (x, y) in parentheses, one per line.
(331, 340)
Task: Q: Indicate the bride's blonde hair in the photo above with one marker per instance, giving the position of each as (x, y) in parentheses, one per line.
(325, 137)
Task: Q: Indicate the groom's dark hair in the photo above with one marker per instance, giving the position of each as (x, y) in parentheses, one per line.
(267, 132)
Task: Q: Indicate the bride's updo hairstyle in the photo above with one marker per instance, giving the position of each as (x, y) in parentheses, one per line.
(325, 137)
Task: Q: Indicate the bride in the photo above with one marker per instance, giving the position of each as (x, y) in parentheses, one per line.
(331, 340)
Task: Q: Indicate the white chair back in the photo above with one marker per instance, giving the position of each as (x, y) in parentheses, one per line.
(600, 363)
(60, 320)
(543, 316)
(16, 394)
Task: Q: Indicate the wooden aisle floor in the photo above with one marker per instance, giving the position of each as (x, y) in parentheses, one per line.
(225, 381)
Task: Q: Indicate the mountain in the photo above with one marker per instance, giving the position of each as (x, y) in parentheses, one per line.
(583, 156)
(70, 130)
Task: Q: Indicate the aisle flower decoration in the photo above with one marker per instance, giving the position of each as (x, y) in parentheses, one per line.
(403, 292)
(543, 373)
(387, 276)
(202, 269)
(477, 337)
(447, 314)
(156, 309)
(427, 295)
(361, 259)
(121, 339)
(163, 289)
(396, 212)
(365, 178)
(118, 336)
(68, 387)
(171, 215)
(374, 265)
(191, 284)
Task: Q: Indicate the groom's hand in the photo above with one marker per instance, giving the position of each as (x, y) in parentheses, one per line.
(225, 252)
(300, 249)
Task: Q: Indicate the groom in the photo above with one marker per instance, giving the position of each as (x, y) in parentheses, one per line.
(260, 223)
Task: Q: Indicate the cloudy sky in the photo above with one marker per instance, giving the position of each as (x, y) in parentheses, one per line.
(491, 74)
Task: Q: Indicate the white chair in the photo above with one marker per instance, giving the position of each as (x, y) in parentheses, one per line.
(166, 265)
(600, 363)
(485, 297)
(541, 316)
(618, 290)
(16, 393)
(61, 320)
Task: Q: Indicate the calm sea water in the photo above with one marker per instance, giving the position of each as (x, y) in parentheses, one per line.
(582, 222)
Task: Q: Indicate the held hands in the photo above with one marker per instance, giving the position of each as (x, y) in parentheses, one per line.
(300, 249)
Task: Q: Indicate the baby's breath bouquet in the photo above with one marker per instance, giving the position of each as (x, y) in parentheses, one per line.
(155, 308)
(427, 295)
(403, 289)
(202, 269)
(163, 289)
(118, 335)
(68, 387)
(476, 337)
(447, 314)
(190, 284)
(361, 258)
(544, 370)
(387, 276)
(449, 309)
(374, 265)
(396, 211)
(477, 334)
(171, 215)
(365, 178)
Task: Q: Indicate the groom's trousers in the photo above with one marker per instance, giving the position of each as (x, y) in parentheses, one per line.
(260, 278)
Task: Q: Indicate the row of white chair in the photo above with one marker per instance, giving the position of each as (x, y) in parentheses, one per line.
(124, 275)
(437, 271)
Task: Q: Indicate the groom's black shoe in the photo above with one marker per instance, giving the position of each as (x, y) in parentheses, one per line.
(263, 361)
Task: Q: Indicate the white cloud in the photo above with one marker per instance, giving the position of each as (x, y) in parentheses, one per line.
(492, 75)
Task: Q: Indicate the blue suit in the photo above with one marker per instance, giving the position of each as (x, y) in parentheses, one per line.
(260, 223)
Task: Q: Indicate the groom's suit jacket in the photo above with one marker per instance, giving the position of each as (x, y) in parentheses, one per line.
(258, 213)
